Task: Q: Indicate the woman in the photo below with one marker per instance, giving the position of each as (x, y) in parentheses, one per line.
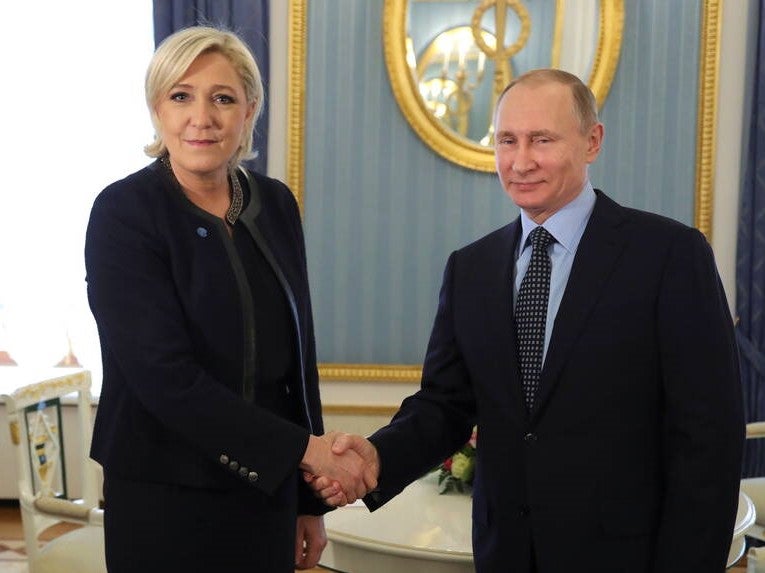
(197, 280)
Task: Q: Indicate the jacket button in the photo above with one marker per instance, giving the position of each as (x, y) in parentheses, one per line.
(530, 437)
(233, 466)
(243, 471)
(252, 476)
(223, 459)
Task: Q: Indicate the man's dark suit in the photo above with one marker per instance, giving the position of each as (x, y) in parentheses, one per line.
(630, 460)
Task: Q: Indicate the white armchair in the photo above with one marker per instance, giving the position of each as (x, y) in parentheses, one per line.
(34, 413)
(755, 560)
(745, 517)
(755, 487)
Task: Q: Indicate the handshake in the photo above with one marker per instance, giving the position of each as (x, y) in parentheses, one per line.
(340, 468)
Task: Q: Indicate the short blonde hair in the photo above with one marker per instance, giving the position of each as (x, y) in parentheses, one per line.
(585, 105)
(172, 59)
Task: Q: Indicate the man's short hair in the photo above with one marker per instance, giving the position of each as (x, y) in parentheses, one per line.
(585, 106)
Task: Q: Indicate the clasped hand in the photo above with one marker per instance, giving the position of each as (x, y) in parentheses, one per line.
(340, 468)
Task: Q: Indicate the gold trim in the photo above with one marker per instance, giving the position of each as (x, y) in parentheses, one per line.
(15, 433)
(609, 48)
(358, 410)
(296, 64)
(60, 385)
(443, 140)
(707, 115)
(401, 373)
(560, 11)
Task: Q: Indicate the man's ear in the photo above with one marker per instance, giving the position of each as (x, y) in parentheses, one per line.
(595, 141)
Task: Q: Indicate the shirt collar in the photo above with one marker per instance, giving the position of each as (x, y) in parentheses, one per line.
(567, 224)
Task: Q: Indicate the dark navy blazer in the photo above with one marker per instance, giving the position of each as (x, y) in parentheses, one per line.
(170, 300)
(630, 460)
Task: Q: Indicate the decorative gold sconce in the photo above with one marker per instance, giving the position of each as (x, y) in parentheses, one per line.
(448, 88)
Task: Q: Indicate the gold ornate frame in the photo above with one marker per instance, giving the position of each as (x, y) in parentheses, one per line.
(705, 153)
(443, 140)
(706, 133)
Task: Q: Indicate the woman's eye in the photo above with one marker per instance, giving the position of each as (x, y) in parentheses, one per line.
(179, 96)
(225, 99)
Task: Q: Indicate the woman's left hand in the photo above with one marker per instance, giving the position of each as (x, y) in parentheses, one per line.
(310, 541)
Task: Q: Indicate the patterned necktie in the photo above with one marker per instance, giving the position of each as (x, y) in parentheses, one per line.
(531, 313)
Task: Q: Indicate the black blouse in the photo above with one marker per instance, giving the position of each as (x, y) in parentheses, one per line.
(275, 360)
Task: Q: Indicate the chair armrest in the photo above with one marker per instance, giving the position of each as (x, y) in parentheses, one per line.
(756, 559)
(755, 430)
(69, 510)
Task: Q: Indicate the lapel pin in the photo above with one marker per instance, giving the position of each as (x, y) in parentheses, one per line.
(202, 232)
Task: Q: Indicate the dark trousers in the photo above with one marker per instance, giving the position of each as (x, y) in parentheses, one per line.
(165, 528)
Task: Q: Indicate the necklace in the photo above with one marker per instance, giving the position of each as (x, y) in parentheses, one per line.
(237, 196)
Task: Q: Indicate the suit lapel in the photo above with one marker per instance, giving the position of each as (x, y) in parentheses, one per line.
(595, 258)
(498, 327)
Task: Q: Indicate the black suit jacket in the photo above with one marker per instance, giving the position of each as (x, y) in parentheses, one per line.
(169, 297)
(630, 460)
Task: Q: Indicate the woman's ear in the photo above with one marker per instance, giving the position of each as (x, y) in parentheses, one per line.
(251, 109)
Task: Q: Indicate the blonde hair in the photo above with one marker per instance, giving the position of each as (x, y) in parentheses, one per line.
(585, 105)
(172, 59)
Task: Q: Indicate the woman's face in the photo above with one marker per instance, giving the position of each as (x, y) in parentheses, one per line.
(202, 117)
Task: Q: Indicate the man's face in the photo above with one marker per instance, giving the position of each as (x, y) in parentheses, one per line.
(541, 153)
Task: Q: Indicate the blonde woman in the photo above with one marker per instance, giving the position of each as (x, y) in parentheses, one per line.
(197, 280)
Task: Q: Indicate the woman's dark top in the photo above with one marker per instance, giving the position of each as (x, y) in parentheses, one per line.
(274, 338)
(202, 336)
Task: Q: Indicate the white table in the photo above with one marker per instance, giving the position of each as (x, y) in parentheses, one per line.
(745, 518)
(419, 531)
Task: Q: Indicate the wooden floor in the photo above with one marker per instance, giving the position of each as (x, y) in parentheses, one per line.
(10, 527)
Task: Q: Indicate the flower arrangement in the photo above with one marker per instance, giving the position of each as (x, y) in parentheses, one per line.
(456, 472)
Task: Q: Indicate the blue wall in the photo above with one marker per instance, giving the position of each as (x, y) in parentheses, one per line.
(383, 211)
(649, 156)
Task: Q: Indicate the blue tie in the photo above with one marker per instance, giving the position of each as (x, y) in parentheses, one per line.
(531, 313)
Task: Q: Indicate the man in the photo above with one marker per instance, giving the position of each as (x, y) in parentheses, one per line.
(610, 430)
